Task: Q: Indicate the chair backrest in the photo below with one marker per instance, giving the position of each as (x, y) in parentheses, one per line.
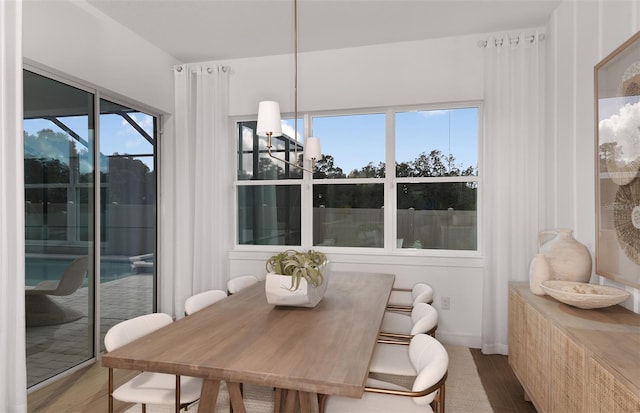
(129, 330)
(431, 361)
(424, 318)
(237, 284)
(422, 293)
(73, 276)
(201, 300)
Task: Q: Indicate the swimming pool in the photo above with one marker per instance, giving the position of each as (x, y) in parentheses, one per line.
(39, 269)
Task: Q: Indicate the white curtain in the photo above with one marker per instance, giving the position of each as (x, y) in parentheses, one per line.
(199, 240)
(13, 369)
(513, 134)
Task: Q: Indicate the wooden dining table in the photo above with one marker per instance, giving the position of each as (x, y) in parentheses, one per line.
(306, 352)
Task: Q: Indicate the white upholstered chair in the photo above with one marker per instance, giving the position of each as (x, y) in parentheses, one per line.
(238, 284)
(402, 326)
(148, 387)
(404, 299)
(201, 300)
(429, 360)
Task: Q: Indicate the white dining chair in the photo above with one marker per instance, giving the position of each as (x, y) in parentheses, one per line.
(148, 387)
(201, 300)
(431, 362)
(402, 299)
(402, 326)
(238, 284)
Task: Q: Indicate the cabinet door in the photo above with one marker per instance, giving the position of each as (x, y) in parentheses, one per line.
(568, 374)
(537, 352)
(607, 394)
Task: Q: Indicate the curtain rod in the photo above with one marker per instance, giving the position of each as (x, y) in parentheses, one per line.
(209, 69)
(512, 40)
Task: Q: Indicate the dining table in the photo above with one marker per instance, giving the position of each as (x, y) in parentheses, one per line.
(302, 353)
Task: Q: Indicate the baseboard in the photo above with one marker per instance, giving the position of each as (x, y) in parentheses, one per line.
(456, 339)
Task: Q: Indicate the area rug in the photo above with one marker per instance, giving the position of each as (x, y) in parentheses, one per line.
(464, 391)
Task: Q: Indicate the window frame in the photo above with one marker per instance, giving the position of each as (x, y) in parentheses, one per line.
(390, 182)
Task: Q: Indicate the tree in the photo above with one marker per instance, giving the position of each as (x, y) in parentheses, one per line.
(369, 171)
(325, 168)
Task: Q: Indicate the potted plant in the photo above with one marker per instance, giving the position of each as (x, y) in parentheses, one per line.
(296, 278)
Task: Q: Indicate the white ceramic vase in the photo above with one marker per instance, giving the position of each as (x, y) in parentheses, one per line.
(539, 271)
(568, 259)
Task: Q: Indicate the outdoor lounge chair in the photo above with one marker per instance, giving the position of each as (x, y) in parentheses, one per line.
(41, 309)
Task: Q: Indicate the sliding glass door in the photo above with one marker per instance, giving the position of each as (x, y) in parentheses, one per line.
(66, 251)
(127, 212)
(59, 219)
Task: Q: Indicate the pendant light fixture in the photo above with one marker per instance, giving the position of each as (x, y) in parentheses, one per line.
(269, 121)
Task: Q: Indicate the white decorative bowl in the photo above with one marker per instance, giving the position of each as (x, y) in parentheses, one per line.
(278, 290)
(584, 295)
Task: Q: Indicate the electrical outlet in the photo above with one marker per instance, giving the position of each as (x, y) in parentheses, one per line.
(445, 304)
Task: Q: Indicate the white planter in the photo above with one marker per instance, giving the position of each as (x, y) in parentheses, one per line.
(277, 289)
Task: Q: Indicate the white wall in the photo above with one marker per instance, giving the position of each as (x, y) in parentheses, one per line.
(422, 72)
(430, 71)
(580, 34)
(74, 39)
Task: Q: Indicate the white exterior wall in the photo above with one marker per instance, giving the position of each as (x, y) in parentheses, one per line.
(580, 34)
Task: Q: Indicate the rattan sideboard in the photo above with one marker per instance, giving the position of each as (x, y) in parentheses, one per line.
(574, 360)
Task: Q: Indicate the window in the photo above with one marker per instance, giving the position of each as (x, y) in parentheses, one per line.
(269, 191)
(437, 179)
(348, 211)
(427, 201)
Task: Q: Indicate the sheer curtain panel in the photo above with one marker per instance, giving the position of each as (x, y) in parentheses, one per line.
(13, 374)
(201, 233)
(514, 97)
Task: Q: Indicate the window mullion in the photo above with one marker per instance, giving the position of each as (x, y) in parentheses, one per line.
(390, 227)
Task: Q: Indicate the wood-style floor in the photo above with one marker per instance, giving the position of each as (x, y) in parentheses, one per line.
(82, 391)
(504, 391)
(86, 390)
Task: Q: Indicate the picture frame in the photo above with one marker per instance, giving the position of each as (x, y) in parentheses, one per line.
(617, 164)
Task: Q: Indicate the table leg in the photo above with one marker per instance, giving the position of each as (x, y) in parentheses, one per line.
(235, 398)
(308, 402)
(290, 401)
(278, 400)
(299, 401)
(209, 396)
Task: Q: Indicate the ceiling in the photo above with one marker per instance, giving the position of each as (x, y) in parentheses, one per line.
(202, 30)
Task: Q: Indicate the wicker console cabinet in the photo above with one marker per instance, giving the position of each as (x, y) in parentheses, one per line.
(572, 360)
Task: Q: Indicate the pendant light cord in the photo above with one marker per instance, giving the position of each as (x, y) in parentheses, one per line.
(295, 77)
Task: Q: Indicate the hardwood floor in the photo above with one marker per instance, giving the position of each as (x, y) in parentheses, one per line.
(82, 391)
(86, 390)
(503, 389)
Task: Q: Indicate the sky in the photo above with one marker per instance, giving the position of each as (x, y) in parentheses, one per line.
(117, 135)
(452, 131)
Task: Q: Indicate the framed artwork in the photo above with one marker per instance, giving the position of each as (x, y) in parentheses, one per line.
(617, 110)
